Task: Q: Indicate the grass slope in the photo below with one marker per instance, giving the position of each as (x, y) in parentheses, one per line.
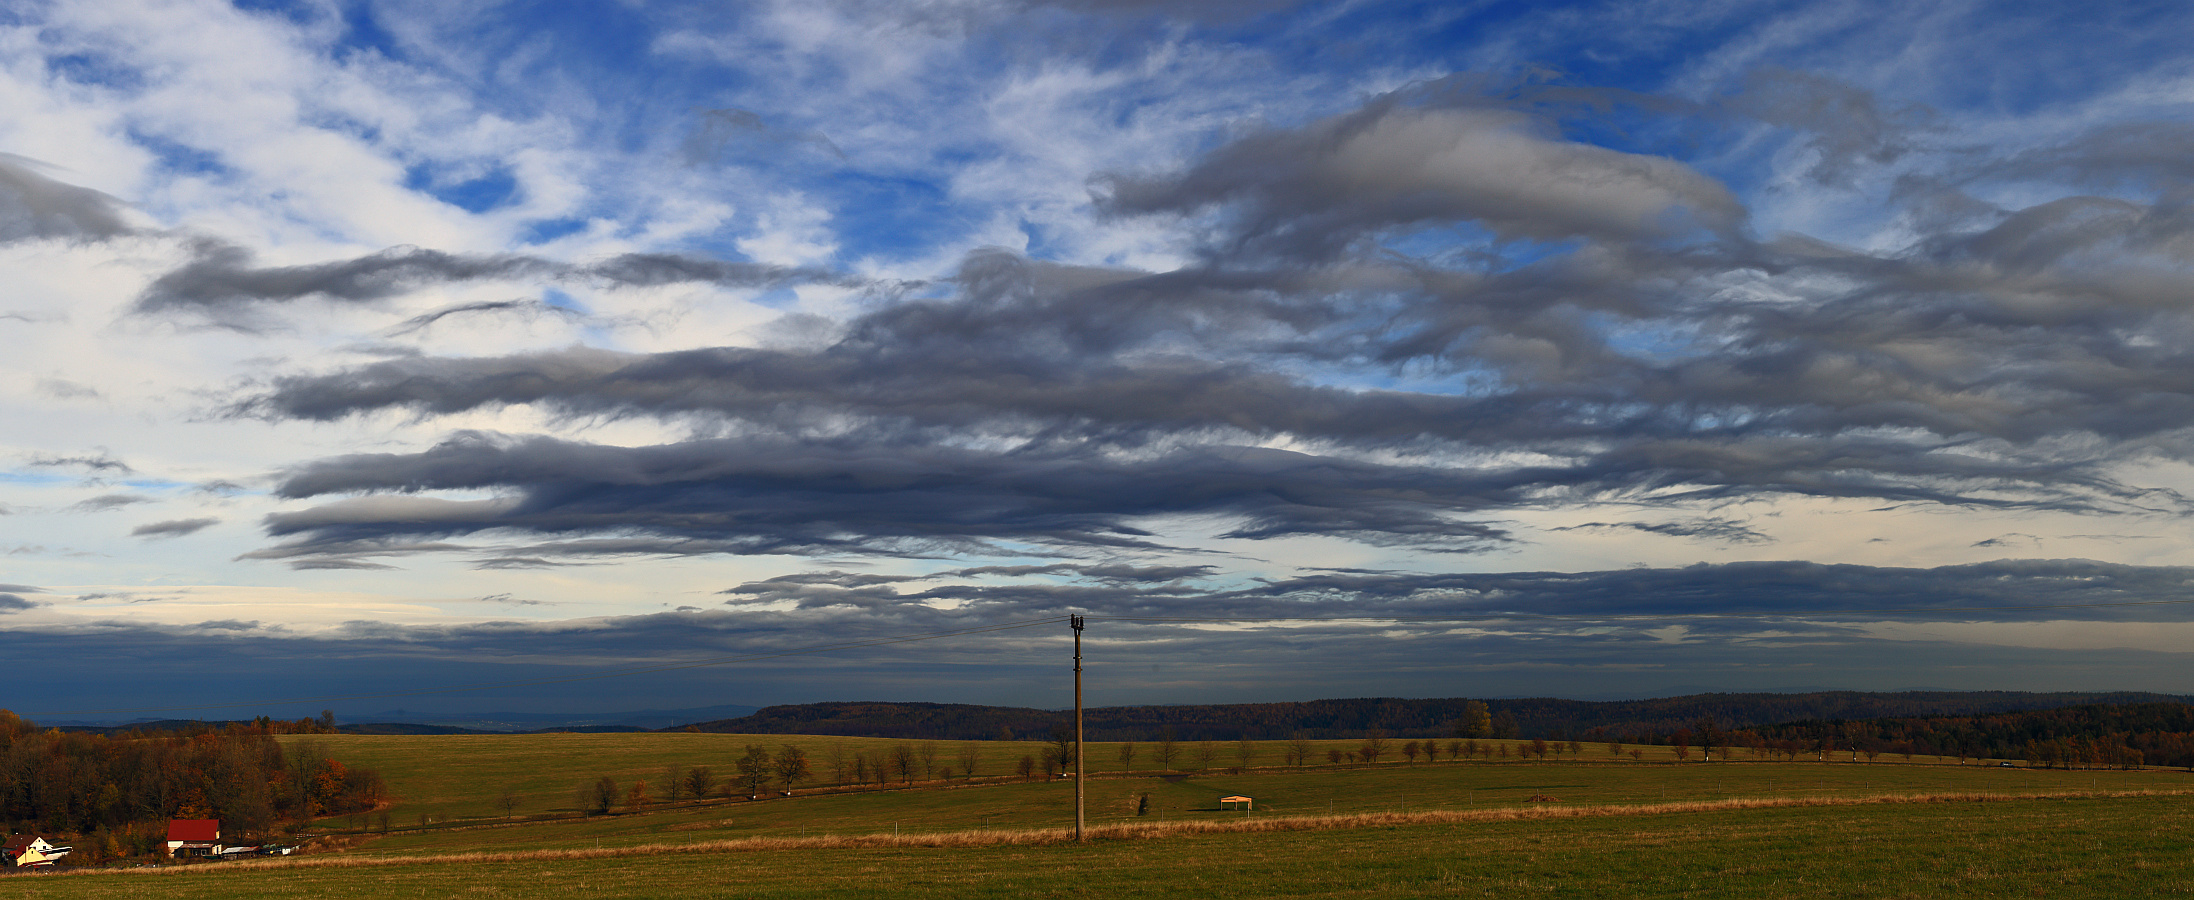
(2099, 846)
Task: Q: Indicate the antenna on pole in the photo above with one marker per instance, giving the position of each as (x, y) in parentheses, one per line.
(1080, 759)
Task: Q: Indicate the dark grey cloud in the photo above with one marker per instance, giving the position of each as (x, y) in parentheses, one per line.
(1314, 192)
(34, 206)
(528, 309)
(222, 284)
(1613, 334)
(14, 603)
(1704, 528)
(174, 527)
(1108, 572)
(102, 463)
(108, 502)
(774, 496)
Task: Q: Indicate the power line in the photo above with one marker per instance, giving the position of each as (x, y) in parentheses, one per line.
(591, 676)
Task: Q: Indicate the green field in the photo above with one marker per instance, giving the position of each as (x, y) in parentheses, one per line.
(458, 778)
(2117, 847)
(1590, 826)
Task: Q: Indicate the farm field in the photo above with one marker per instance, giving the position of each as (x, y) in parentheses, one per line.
(458, 777)
(1386, 789)
(2094, 846)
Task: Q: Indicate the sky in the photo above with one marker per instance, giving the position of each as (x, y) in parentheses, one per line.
(470, 356)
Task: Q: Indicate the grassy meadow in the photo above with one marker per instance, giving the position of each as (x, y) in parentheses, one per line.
(453, 778)
(1593, 825)
(2093, 846)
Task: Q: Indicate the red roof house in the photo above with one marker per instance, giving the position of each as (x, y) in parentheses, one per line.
(194, 837)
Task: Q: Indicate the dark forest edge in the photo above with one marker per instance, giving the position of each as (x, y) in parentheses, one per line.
(1539, 717)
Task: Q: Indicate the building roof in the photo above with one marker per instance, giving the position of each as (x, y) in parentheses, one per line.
(19, 843)
(194, 829)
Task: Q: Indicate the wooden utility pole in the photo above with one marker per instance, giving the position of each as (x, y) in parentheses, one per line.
(1080, 759)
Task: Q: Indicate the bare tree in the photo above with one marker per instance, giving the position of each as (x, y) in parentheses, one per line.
(1062, 747)
(1299, 747)
(792, 765)
(1244, 751)
(1206, 751)
(902, 762)
(840, 768)
(927, 750)
(699, 781)
(1168, 750)
(1127, 755)
(971, 754)
(598, 796)
(755, 770)
(1026, 767)
(674, 781)
(507, 801)
(1375, 746)
(1410, 750)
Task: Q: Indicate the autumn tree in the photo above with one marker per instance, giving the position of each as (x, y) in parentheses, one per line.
(755, 769)
(792, 765)
(599, 795)
(1375, 746)
(1476, 720)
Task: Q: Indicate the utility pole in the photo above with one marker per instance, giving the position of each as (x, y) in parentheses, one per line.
(1080, 759)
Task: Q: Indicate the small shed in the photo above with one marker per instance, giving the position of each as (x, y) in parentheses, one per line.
(1228, 802)
(194, 838)
(29, 850)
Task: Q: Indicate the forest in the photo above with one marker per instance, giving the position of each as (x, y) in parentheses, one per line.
(1398, 717)
(112, 795)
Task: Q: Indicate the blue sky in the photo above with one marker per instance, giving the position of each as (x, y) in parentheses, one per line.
(377, 348)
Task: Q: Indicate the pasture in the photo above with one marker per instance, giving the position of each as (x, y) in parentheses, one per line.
(2087, 846)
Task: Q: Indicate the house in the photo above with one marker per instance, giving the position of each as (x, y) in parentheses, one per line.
(26, 850)
(194, 838)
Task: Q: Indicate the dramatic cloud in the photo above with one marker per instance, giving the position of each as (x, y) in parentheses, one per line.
(109, 502)
(174, 527)
(843, 319)
(33, 205)
(1311, 193)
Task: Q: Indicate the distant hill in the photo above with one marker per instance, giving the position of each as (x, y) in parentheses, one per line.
(1398, 717)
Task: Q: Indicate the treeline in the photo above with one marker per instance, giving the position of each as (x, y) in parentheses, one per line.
(2096, 735)
(1405, 718)
(114, 794)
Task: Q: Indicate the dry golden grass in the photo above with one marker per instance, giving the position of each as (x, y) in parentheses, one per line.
(1133, 831)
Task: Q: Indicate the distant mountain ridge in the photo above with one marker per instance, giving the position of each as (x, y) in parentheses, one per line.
(1398, 717)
